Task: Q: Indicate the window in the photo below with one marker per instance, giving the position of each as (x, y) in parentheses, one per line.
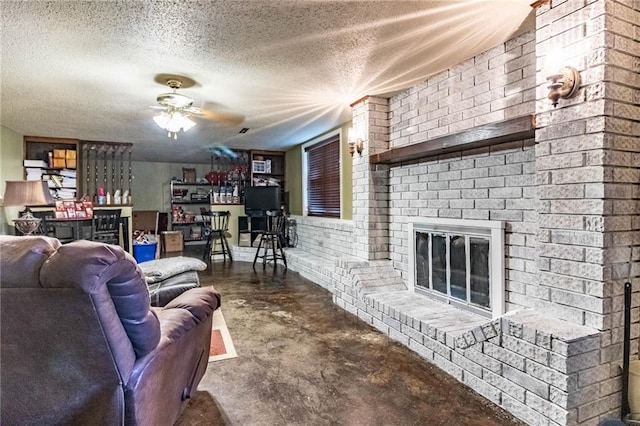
(323, 178)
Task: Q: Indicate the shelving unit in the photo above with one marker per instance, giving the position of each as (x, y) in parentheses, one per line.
(229, 176)
(106, 174)
(186, 200)
(54, 160)
(267, 169)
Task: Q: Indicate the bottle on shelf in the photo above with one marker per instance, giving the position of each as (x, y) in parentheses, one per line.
(101, 197)
(236, 197)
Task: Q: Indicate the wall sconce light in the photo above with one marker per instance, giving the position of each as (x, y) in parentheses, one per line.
(355, 144)
(564, 84)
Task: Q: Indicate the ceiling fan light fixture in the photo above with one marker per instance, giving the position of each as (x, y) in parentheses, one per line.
(173, 99)
(174, 121)
(161, 120)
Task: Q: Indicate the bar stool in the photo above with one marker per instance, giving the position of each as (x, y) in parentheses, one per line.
(218, 234)
(271, 240)
(106, 226)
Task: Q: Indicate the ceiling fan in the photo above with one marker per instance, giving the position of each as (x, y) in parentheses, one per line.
(177, 109)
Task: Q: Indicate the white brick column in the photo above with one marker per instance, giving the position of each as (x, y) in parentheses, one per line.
(588, 176)
(587, 160)
(370, 181)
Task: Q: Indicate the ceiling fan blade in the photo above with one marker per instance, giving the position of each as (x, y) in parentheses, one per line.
(160, 107)
(222, 116)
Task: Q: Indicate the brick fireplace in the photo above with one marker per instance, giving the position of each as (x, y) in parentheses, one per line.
(568, 197)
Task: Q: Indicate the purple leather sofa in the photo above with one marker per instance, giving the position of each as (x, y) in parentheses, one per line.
(80, 343)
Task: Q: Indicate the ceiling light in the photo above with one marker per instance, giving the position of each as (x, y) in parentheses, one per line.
(173, 120)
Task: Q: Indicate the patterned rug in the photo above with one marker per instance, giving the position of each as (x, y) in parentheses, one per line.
(221, 343)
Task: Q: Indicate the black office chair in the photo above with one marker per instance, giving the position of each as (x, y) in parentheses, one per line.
(271, 239)
(218, 234)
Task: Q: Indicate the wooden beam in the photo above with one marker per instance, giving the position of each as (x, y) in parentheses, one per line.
(536, 4)
(489, 134)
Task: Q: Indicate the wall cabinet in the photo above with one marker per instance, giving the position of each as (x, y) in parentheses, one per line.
(54, 160)
(267, 169)
(100, 171)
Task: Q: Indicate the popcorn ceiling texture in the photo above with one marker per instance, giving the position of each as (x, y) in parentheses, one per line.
(85, 69)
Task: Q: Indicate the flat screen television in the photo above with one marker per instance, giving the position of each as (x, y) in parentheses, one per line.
(258, 199)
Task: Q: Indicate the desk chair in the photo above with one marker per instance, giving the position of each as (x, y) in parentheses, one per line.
(218, 233)
(271, 239)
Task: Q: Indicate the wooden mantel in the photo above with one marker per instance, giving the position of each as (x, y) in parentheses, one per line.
(489, 134)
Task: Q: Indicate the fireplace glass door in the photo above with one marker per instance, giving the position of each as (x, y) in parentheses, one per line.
(454, 266)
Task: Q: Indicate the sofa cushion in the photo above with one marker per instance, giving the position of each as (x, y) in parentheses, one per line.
(21, 259)
(92, 266)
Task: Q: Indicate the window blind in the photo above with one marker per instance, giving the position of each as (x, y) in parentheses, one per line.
(323, 178)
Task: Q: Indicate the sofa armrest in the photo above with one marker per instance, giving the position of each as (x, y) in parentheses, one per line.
(163, 380)
(201, 301)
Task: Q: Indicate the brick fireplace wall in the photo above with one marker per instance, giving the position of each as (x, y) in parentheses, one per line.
(570, 200)
(492, 183)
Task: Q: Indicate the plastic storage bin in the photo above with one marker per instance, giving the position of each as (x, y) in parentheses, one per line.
(144, 252)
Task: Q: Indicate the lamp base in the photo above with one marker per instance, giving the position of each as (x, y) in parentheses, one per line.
(27, 223)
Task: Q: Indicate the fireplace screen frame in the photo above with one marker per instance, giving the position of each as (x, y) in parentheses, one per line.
(491, 230)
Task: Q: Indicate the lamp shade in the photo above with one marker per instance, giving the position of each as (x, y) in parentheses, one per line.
(27, 193)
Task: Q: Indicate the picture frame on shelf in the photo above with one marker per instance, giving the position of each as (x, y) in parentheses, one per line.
(189, 175)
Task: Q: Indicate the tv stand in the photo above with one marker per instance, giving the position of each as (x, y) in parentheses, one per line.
(249, 227)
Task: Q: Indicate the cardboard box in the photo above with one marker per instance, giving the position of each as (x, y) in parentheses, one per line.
(70, 154)
(144, 220)
(59, 153)
(171, 241)
(71, 163)
(59, 163)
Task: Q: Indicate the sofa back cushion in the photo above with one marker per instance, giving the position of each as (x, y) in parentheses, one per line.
(57, 368)
(114, 280)
(21, 259)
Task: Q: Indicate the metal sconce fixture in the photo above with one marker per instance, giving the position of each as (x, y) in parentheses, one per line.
(564, 84)
(355, 144)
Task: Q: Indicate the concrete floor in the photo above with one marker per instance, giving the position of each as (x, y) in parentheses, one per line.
(304, 361)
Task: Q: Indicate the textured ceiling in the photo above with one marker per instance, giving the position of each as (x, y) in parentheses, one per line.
(86, 70)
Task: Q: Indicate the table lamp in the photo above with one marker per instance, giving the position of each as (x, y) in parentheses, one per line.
(27, 193)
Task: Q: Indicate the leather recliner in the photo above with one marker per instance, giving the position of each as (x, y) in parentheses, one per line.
(80, 343)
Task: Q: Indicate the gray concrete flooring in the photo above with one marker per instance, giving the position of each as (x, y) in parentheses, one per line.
(304, 361)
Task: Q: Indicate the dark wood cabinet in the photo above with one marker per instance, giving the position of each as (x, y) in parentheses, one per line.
(268, 169)
(54, 160)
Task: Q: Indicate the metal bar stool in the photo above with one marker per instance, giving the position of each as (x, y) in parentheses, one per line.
(218, 234)
(271, 239)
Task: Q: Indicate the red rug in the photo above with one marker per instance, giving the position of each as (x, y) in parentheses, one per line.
(221, 344)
